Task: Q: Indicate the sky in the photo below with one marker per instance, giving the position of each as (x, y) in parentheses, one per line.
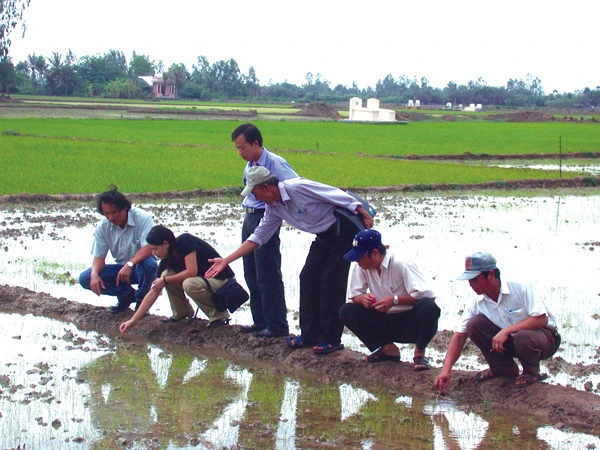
(345, 42)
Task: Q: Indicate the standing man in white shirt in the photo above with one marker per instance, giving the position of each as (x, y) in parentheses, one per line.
(506, 320)
(391, 302)
(123, 232)
(309, 206)
(262, 268)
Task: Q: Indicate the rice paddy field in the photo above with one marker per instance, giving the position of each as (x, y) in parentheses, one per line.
(60, 155)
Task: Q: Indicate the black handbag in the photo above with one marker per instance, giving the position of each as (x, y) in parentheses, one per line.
(229, 296)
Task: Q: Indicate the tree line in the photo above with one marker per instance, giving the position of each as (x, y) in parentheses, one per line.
(112, 75)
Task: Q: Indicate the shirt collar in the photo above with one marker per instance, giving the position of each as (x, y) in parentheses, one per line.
(385, 262)
(284, 195)
(262, 159)
(504, 290)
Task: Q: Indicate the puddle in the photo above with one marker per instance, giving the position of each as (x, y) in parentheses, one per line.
(551, 241)
(593, 170)
(64, 388)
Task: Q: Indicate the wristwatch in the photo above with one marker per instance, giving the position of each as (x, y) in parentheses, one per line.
(396, 301)
(130, 264)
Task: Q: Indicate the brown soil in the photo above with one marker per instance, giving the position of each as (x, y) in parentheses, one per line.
(468, 156)
(319, 109)
(558, 405)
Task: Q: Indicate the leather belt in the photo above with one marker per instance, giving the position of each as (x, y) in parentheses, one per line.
(254, 210)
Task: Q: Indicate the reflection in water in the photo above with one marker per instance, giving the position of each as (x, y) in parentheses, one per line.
(455, 429)
(142, 396)
(225, 430)
(563, 440)
(286, 430)
(160, 363)
(353, 400)
(195, 369)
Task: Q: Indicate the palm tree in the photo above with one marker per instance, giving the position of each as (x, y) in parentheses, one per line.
(31, 59)
(54, 75)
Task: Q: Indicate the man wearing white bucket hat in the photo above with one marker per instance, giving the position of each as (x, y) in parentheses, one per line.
(507, 320)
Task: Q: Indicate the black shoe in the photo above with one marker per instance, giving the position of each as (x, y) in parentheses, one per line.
(172, 319)
(217, 323)
(252, 328)
(119, 307)
(123, 302)
(268, 333)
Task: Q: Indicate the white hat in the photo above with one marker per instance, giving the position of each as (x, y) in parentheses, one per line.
(254, 176)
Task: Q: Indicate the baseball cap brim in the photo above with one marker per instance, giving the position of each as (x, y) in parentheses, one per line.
(468, 275)
(355, 254)
(247, 190)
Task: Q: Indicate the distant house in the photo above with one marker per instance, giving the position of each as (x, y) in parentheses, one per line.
(158, 88)
(473, 108)
(371, 113)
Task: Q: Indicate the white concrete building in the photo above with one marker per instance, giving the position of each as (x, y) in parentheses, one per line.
(372, 113)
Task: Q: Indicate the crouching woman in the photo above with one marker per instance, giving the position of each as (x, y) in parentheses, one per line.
(182, 260)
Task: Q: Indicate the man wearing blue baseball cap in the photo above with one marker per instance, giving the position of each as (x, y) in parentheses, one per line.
(391, 302)
(506, 320)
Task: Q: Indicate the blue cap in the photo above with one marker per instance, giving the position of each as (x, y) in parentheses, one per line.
(364, 241)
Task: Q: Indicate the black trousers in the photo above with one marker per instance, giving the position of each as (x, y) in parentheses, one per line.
(262, 272)
(323, 283)
(374, 328)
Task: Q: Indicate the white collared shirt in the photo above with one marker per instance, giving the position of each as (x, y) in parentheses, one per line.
(397, 277)
(306, 205)
(516, 302)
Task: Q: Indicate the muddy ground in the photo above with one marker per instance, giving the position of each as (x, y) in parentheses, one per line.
(560, 406)
(526, 184)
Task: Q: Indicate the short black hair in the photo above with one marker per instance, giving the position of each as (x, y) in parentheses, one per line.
(381, 248)
(114, 197)
(251, 133)
(273, 181)
(485, 273)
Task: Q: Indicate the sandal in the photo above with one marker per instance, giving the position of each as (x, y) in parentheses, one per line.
(379, 356)
(487, 374)
(326, 348)
(296, 342)
(527, 379)
(421, 363)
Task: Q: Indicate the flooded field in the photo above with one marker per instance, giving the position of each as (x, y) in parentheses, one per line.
(107, 391)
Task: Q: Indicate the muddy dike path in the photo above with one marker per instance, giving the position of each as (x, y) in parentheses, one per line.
(558, 405)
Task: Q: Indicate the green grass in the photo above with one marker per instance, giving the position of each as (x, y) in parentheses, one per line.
(86, 155)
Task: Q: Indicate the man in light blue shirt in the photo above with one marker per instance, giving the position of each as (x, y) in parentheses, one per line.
(123, 232)
(262, 268)
(308, 206)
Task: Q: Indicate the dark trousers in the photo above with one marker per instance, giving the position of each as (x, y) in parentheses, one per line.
(262, 272)
(375, 329)
(323, 283)
(528, 346)
(143, 275)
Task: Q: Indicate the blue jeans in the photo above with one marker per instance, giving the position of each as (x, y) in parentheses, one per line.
(143, 275)
(262, 272)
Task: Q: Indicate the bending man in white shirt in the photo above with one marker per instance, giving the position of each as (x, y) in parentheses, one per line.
(506, 320)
